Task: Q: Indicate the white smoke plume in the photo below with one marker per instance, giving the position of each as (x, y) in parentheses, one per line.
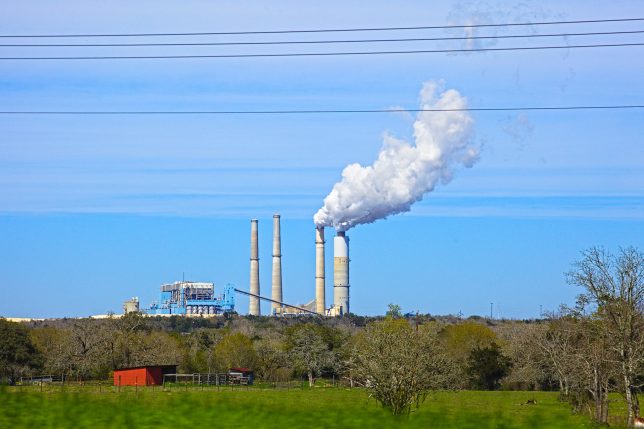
(404, 172)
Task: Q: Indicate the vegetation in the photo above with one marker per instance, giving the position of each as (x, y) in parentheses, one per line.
(309, 353)
(399, 365)
(588, 353)
(615, 285)
(487, 366)
(256, 408)
(18, 355)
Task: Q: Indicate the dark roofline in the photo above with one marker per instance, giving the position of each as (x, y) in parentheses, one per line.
(147, 366)
(241, 369)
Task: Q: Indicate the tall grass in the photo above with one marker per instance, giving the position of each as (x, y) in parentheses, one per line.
(263, 408)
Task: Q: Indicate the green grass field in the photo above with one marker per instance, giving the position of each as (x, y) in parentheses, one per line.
(267, 408)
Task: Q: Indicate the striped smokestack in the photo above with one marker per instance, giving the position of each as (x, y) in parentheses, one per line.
(253, 306)
(276, 290)
(319, 270)
(341, 273)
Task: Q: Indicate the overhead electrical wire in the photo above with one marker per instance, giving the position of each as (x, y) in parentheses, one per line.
(309, 42)
(323, 111)
(326, 54)
(337, 30)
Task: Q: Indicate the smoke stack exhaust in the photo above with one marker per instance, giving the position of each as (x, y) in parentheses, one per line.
(404, 172)
(276, 290)
(253, 306)
(341, 273)
(319, 270)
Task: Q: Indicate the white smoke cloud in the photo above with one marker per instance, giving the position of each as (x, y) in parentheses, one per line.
(404, 172)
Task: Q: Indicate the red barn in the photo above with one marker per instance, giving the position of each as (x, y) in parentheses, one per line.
(142, 375)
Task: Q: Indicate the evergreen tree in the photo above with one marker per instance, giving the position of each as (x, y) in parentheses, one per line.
(487, 366)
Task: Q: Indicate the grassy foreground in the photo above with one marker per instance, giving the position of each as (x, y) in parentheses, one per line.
(259, 408)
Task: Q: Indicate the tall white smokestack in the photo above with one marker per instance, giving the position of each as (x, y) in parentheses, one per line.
(253, 306)
(341, 273)
(276, 290)
(319, 270)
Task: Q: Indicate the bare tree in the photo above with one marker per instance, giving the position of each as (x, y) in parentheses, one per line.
(615, 284)
(309, 352)
(520, 341)
(595, 363)
(556, 342)
(398, 364)
(573, 349)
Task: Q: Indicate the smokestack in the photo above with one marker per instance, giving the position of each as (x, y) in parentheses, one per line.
(276, 290)
(341, 273)
(319, 270)
(253, 306)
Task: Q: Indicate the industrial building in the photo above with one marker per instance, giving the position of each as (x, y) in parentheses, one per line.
(131, 305)
(193, 299)
(188, 298)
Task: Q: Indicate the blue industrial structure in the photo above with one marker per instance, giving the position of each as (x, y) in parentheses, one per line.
(193, 298)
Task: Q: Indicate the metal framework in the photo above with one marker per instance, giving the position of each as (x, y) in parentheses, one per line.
(207, 379)
(193, 298)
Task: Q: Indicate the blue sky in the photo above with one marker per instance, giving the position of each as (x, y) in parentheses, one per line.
(94, 210)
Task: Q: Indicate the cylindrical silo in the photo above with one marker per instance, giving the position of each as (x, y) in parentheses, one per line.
(341, 273)
(253, 306)
(319, 270)
(276, 290)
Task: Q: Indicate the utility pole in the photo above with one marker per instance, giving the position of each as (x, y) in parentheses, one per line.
(491, 309)
(540, 311)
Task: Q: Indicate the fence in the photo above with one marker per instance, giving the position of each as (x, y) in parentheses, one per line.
(39, 379)
(208, 379)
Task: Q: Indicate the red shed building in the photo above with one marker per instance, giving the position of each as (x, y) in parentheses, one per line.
(142, 375)
(241, 375)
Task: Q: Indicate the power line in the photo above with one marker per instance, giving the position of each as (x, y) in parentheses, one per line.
(326, 54)
(309, 42)
(324, 111)
(336, 30)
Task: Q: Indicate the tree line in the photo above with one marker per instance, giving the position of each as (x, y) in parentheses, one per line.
(584, 351)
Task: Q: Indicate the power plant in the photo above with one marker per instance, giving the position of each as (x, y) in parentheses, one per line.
(189, 298)
(318, 305)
